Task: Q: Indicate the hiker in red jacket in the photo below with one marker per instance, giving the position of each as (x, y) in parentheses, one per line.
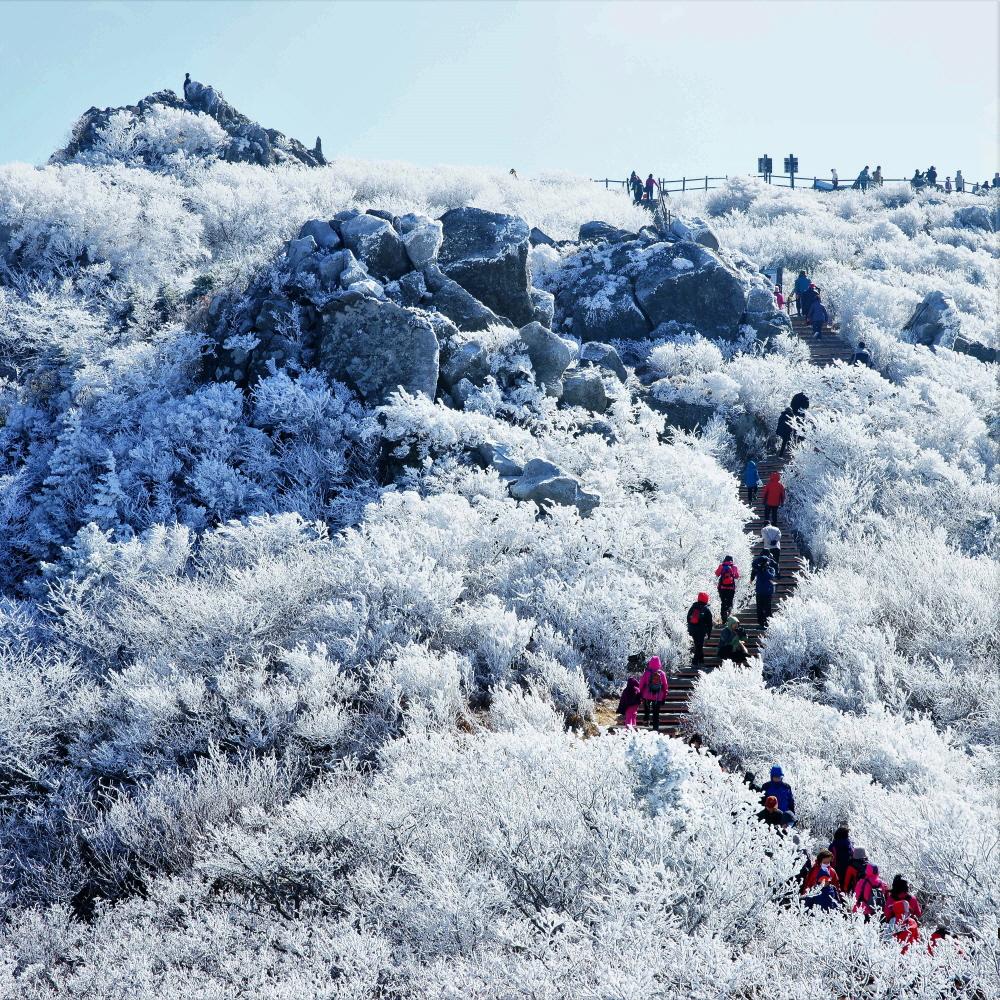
(869, 892)
(822, 869)
(727, 573)
(855, 868)
(900, 893)
(653, 688)
(902, 926)
(773, 496)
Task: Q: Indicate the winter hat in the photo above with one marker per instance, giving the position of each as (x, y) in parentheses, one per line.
(732, 620)
(860, 854)
(703, 597)
(654, 663)
(776, 771)
(726, 559)
(771, 802)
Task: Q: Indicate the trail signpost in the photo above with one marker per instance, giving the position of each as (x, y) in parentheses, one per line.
(791, 166)
(765, 166)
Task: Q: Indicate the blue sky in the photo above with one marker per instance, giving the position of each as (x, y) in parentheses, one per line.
(592, 88)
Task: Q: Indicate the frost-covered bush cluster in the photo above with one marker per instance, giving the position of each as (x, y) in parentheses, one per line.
(287, 679)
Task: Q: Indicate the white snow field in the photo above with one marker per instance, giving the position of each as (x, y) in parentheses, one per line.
(297, 701)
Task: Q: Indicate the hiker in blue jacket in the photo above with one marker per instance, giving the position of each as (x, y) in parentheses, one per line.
(817, 315)
(764, 573)
(862, 356)
(800, 287)
(751, 480)
(779, 789)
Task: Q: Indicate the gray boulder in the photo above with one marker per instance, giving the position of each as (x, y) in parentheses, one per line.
(352, 271)
(496, 456)
(544, 306)
(550, 355)
(603, 356)
(538, 238)
(299, 251)
(322, 232)
(590, 232)
(487, 254)
(464, 359)
(988, 355)
(545, 484)
(760, 300)
(679, 413)
(585, 387)
(935, 322)
(423, 242)
(377, 244)
(689, 284)
(450, 299)
(410, 290)
(975, 217)
(695, 231)
(378, 347)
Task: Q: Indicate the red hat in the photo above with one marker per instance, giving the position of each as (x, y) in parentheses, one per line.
(771, 802)
(703, 597)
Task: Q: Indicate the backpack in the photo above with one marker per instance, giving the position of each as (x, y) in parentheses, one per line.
(876, 896)
(695, 615)
(655, 685)
(727, 581)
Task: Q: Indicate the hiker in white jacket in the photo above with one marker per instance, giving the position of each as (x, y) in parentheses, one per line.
(770, 537)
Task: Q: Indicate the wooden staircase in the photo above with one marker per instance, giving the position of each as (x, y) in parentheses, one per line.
(823, 351)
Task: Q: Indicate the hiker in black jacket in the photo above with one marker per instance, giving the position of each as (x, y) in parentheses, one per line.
(699, 625)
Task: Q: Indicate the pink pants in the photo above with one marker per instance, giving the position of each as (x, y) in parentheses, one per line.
(632, 716)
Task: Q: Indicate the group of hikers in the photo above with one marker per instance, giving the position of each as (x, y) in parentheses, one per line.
(809, 303)
(643, 191)
(929, 179)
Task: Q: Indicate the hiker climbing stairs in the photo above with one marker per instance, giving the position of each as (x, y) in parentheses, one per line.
(823, 351)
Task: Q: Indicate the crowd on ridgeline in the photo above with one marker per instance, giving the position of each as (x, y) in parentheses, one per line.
(929, 179)
(642, 191)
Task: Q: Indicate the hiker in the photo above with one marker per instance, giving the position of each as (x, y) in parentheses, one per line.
(727, 573)
(996, 179)
(770, 538)
(732, 642)
(650, 184)
(821, 869)
(751, 480)
(809, 296)
(772, 815)
(862, 356)
(959, 182)
(764, 572)
(773, 495)
(947, 185)
(902, 926)
(187, 85)
(877, 176)
(834, 178)
(513, 173)
(817, 316)
(699, 625)
(855, 868)
(794, 411)
(635, 183)
(827, 898)
(629, 702)
(870, 893)
(799, 288)
(864, 179)
(932, 176)
(780, 789)
(843, 852)
(779, 299)
(900, 893)
(653, 688)
(917, 180)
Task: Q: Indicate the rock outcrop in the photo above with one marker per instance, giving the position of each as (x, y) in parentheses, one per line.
(935, 322)
(545, 484)
(248, 141)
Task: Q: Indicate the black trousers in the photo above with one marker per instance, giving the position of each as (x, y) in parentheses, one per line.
(763, 609)
(698, 638)
(654, 707)
(751, 495)
(771, 515)
(726, 598)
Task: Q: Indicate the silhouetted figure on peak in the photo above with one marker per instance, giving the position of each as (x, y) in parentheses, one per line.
(187, 85)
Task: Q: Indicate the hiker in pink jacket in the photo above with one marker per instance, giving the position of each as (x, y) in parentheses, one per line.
(653, 688)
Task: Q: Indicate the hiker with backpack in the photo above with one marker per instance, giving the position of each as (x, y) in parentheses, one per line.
(902, 925)
(900, 893)
(773, 816)
(773, 496)
(817, 316)
(809, 296)
(870, 893)
(732, 642)
(795, 411)
(699, 625)
(763, 574)
(653, 688)
(727, 573)
(843, 852)
(780, 789)
(799, 288)
(629, 702)
(770, 539)
(751, 480)
(855, 869)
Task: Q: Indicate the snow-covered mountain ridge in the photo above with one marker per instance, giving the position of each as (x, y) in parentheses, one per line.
(299, 667)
